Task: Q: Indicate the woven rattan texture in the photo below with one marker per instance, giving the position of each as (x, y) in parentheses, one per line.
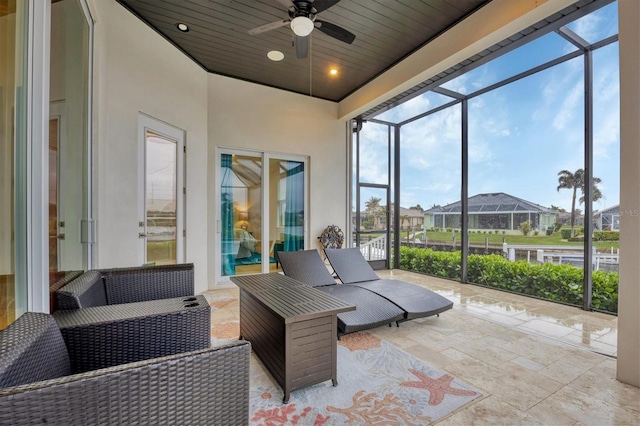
(85, 291)
(306, 266)
(104, 336)
(126, 285)
(371, 310)
(31, 350)
(207, 387)
(417, 301)
(350, 265)
(53, 288)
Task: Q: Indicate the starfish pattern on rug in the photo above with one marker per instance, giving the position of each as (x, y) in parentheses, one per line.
(437, 388)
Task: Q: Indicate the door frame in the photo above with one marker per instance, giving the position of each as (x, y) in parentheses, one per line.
(164, 129)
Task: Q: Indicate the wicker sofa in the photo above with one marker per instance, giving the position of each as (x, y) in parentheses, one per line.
(207, 386)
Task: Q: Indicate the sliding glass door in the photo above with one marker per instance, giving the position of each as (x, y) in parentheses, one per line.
(261, 210)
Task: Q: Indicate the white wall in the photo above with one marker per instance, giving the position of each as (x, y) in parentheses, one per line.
(136, 70)
(246, 115)
(629, 288)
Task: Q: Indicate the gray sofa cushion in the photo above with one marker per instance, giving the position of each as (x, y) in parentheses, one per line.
(32, 350)
(84, 292)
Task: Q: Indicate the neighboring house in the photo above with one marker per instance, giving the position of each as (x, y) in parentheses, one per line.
(409, 219)
(493, 211)
(608, 219)
(565, 218)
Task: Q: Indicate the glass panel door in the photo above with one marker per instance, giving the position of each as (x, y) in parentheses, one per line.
(54, 129)
(13, 161)
(372, 224)
(286, 208)
(375, 230)
(160, 199)
(161, 192)
(262, 210)
(70, 231)
(240, 214)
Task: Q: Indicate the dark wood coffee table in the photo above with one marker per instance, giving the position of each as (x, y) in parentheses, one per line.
(292, 328)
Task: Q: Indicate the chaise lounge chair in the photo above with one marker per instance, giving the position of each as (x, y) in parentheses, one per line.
(371, 310)
(417, 302)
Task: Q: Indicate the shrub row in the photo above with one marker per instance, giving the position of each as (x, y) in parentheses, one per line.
(562, 283)
(597, 235)
(606, 236)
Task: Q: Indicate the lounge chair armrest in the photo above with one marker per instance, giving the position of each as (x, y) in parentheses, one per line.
(208, 386)
(103, 336)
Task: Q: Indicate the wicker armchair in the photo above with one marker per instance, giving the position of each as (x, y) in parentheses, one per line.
(208, 386)
(126, 285)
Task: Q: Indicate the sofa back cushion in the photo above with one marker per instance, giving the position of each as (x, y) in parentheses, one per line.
(32, 350)
(144, 283)
(84, 292)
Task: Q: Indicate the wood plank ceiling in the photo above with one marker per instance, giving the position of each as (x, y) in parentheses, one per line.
(386, 31)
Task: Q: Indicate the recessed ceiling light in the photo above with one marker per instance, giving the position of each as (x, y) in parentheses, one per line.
(275, 55)
(333, 71)
(183, 27)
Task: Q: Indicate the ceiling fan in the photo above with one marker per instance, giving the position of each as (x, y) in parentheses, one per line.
(302, 19)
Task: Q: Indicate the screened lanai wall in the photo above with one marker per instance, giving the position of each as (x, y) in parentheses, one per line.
(512, 119)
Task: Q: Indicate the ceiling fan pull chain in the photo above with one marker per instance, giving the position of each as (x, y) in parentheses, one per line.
(310, 67)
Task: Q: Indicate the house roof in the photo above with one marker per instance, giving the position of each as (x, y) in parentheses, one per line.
(496, 202)
(609, 210)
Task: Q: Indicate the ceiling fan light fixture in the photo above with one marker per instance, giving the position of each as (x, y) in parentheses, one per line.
(301, 26)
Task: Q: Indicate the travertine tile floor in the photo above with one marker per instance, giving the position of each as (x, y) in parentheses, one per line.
(536, 362)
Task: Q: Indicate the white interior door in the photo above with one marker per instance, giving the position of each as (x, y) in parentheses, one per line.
(161, 192)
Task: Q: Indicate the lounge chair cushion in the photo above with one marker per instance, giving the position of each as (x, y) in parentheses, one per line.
(350, 265)
(371, 310)
(32, 350)
(417, 301)
(306, 266)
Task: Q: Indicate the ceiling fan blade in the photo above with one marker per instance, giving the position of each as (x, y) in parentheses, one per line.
(320, 5)
(270, 26)
(302, 47)
(335, 31)
(286, 3)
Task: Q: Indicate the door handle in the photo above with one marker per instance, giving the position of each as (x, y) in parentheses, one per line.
(142, 235)
(60, 237)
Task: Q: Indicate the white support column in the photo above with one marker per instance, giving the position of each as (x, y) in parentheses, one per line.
(629, 291)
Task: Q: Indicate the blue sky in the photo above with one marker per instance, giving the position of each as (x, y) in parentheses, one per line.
(520, 135)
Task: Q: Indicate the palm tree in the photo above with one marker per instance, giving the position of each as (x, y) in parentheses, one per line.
(373, 209)
(402, 219)
(373, 203)
(568, 180)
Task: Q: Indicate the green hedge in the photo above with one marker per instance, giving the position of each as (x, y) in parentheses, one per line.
(606, 236)
(561, 283)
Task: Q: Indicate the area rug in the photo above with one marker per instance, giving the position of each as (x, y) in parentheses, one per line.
(378, 384)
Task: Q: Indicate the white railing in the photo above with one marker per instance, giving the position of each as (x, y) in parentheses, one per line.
(560, 254)
(375, 249)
